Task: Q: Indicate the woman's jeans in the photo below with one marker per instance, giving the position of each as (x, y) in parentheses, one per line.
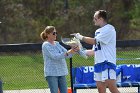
(57, 82)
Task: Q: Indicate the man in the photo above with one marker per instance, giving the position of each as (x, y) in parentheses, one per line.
(104, 49)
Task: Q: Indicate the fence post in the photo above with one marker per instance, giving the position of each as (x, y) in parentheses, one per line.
(1, 91)
(71, 75)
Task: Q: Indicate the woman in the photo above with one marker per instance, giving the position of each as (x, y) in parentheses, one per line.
(55, 67)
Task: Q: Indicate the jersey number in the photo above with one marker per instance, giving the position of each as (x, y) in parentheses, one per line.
(97, 46)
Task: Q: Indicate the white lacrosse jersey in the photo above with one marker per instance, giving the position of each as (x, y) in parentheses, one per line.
(105, 47)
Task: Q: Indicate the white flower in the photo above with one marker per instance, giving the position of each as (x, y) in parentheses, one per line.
(75, 42)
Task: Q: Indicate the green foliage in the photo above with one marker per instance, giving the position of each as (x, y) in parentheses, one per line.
(135, 22)
(24, 20)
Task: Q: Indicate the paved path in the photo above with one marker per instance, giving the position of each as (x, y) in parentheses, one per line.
(28, 91)
(122, 90)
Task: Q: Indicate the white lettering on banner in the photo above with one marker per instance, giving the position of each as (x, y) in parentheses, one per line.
(88, 69)
(91, 69)
(137, 65)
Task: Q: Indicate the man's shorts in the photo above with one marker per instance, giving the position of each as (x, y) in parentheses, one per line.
(104, 75)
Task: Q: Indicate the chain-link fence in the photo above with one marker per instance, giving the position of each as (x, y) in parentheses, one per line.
(21, 67)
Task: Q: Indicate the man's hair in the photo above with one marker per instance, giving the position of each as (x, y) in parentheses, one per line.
(103, 14)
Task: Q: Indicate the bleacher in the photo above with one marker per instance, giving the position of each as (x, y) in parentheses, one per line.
(127, 76)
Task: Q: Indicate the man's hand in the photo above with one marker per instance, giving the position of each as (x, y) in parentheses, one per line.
(78, 36)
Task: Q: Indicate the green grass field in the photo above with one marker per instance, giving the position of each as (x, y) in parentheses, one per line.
(25, 70)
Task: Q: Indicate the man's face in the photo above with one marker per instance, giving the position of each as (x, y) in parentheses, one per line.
(96, 19)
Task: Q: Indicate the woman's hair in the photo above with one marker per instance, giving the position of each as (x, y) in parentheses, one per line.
(47, 30)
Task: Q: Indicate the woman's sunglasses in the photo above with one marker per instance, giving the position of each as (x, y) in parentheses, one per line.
(54, 33)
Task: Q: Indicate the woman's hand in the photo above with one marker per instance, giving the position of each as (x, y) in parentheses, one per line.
(75, 48)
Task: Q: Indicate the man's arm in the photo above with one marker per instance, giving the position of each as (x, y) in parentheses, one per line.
(89, 52)
(88, 40)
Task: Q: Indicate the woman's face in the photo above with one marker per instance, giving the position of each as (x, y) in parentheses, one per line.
(52, 35)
